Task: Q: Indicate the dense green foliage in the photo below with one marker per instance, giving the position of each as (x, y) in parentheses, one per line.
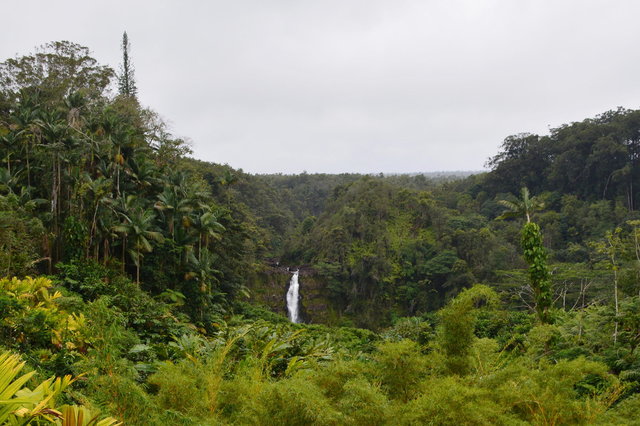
(376, 245)
(535, 255)
(594, 159)
(127, 265)
(99, 179)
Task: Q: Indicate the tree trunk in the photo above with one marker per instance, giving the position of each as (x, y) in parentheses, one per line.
(105, 251)
(137, 266)
(118, 172)
(124, 249)
(93, 230)
(615, 296)
(28, 169)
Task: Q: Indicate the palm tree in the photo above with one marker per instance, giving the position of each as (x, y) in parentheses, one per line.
(7, 181)
(184, 240)
(75, 103)
(9, 142)
(523, 207)
(106, 223)
(25, 121)
(207, 226)
(99, 191)
(122, 206)
(178, 181)
(138, 228)
(228, 179)
(171, 202)
(116, 137)
(54, 132)
(144, 173)
(203, 272)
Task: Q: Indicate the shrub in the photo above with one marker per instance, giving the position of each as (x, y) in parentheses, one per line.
(449, 401)
(400, 366)
(295, 401)
(364, 404)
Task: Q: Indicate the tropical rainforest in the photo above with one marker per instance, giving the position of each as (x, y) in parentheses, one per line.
(141, 286)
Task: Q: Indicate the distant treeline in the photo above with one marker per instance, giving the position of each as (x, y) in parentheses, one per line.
(595, 159)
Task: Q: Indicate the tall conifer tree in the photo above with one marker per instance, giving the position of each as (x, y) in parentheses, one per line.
(126, 79)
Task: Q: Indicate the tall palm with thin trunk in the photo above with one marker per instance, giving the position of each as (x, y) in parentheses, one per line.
(54, 132)
(9, 143)
(98, 194)
(140, 232)
(116, 138)
(202, 270)
(208, 227)
(25, 121)
(173, 205)
(523, 207)
(123, 206)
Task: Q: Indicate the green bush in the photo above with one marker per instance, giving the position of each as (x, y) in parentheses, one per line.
(295, 401)
(450, 401)
(413, 328)
(456, 333)
(181, 388)
(124, 399)
(364, 403)
(625, 413)
(399, 366)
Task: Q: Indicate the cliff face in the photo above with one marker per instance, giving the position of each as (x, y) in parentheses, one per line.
(269, 288)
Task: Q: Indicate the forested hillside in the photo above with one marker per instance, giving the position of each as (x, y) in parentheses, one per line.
(141, 286)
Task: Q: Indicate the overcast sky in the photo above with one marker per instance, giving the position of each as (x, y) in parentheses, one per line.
(354, 86)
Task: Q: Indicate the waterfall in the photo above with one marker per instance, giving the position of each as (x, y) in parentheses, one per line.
(293, 297)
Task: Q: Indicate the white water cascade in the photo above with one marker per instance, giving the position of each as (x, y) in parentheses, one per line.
(293, 297)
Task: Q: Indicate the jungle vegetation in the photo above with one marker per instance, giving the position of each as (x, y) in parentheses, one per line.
(505, 297)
